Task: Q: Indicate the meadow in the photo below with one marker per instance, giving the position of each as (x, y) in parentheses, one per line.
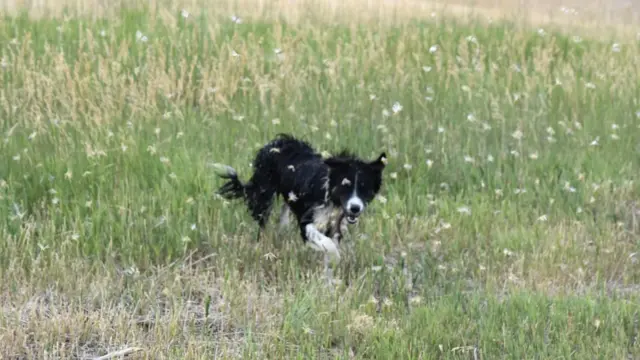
(508, 226)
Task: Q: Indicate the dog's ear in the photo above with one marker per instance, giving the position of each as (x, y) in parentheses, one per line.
(380, 162)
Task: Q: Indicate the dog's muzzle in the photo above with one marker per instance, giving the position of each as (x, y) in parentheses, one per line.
(352, 219)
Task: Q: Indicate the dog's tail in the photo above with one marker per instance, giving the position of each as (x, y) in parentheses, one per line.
(232, 189)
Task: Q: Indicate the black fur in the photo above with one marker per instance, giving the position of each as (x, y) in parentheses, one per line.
(291, 168)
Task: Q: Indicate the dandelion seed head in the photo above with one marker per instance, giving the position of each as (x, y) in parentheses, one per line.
(615, 48)
(396, 108)
(141, 37)
(429, 163)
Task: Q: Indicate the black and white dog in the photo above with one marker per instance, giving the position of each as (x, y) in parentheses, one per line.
(321, 193)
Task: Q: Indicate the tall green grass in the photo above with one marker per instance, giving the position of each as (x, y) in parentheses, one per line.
(511, 184)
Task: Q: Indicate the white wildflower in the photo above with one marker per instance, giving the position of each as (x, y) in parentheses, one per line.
(517, 134)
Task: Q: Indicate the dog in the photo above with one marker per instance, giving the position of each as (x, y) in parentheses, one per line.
(322, 194)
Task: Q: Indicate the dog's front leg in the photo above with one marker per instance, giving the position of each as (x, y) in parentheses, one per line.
(318, 241)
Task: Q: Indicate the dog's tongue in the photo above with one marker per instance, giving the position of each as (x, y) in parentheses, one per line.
(352, 219)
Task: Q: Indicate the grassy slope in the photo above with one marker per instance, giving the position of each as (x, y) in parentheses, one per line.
(114, 238)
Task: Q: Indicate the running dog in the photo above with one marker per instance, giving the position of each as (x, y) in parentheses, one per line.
(321, 193)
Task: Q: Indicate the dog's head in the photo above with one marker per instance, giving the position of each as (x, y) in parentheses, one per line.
(353, 183)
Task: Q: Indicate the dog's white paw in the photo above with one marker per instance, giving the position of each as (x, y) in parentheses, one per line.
(320, 242)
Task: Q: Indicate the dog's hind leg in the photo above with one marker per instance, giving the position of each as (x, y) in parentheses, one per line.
(284, 217)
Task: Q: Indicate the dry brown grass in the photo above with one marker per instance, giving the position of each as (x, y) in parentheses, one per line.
(244, 301)
(619, 15)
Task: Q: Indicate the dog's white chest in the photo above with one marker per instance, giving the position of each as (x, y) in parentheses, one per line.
(325, 216)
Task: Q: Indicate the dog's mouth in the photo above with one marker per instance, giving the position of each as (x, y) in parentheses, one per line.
(352, 219)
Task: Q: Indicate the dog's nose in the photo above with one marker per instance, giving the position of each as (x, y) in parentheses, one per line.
(355, 209)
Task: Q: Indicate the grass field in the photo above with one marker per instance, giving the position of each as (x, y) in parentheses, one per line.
(508, 226)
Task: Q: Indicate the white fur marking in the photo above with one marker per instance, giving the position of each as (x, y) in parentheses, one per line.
(324, 215)
(355, 199)
(346, 181)
(325, 186)
(320, 242)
